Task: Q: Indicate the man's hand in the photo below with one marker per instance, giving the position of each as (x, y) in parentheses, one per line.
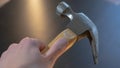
(3, 2)
(27, 54)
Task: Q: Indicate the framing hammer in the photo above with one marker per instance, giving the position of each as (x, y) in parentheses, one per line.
(79, 27)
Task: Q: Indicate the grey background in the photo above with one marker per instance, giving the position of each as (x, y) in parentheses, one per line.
(104, 14)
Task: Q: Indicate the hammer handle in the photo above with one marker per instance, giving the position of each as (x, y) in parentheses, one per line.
(70, 36)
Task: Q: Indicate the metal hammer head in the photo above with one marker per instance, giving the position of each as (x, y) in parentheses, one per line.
(81, 25)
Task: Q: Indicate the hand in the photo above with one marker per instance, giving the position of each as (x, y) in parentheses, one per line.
(27, 54)
(3, 2)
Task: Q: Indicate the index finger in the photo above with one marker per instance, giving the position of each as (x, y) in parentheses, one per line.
(31, 42)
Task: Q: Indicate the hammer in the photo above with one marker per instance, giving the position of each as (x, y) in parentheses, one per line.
(79, 27)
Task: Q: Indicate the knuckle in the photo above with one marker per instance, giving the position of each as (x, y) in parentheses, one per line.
(34, 42)
(12, 45)
(4, 53)
(31, 42)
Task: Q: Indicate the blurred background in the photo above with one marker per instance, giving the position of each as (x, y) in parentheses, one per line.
(38, 19)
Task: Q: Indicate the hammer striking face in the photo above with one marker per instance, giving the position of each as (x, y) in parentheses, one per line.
(81, 25)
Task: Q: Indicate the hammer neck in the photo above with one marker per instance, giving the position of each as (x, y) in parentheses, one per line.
(70, 15)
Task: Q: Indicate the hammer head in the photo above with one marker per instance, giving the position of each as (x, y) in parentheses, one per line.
(81, 25)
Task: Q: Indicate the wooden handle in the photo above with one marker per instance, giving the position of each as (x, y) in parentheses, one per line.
(70, 36)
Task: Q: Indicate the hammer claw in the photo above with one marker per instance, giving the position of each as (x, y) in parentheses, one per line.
(93, 38)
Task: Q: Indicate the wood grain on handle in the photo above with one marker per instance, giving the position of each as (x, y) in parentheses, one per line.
(70, 36)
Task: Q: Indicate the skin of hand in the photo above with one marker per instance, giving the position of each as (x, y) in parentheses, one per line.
(3, 2)
(27, 54)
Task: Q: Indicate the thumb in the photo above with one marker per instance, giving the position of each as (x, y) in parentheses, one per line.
(57, 49)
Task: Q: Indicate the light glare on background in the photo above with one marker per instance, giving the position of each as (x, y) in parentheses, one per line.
(37, 19)
(116, 2)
